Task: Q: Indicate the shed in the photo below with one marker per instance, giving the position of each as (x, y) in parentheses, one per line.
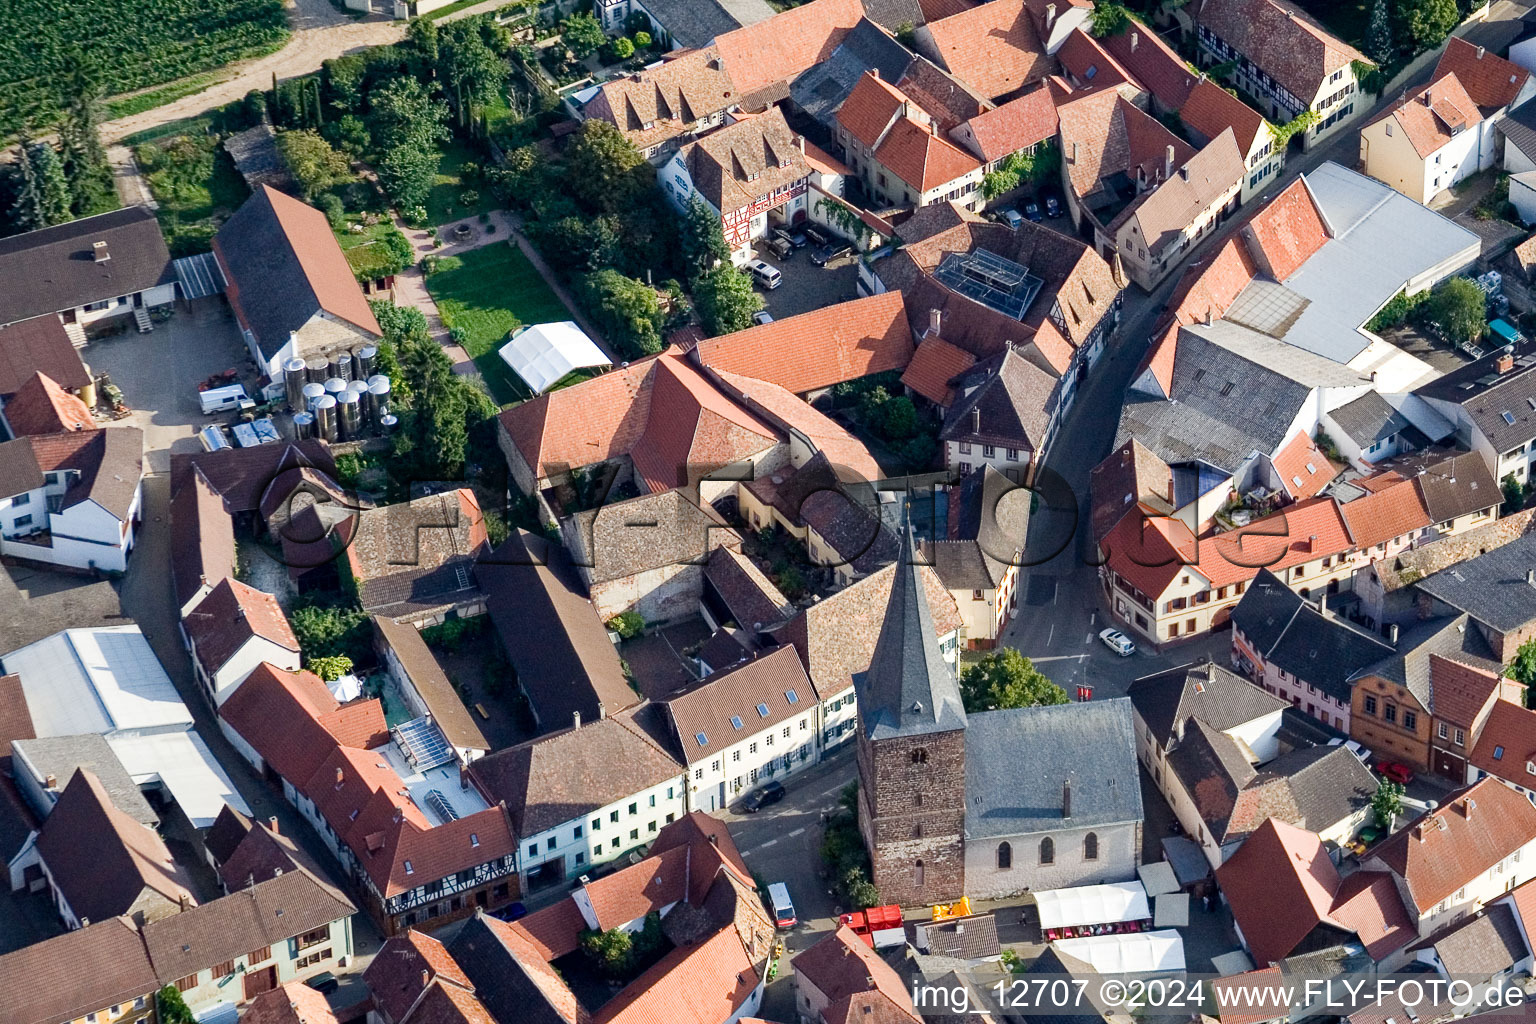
(544, 353)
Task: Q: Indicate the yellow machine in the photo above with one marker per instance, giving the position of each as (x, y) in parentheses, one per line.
(944, 911)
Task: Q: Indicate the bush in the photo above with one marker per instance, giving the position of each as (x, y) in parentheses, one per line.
(627, 624)
(330, 668)
(334, 211)
(620, 49)
(255, 105)
(451, 634)
(643, 40)
(469, 197)
(329, 629)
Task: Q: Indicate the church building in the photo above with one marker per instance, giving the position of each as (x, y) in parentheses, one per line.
(991, 803)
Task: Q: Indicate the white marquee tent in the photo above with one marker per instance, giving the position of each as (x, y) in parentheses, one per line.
(544, 353)
(1134, 953)
(1093, 904)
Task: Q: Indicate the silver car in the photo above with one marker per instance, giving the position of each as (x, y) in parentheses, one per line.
(1118, 642)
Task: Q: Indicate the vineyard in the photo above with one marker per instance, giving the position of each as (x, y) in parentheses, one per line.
(125, 44)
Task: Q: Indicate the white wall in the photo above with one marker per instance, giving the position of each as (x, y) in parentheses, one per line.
(243, 662)
(746, 764)
(597, 838)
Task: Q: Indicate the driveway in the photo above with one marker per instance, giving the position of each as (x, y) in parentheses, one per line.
(159, 372)
(806, 286)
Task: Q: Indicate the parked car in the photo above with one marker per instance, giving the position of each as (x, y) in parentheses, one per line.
(816, 236)
(780, 248)
(764, 275)
(783, 908)
(1008, 215)
(831, 251)
(1032, 211)
(324, 983)
(1118, 642)
(510, 912)
(1052, 199)
(794, 236)
(1395, 771)
(761, 317)
(763, 796)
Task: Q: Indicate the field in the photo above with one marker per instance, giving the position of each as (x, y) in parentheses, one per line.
(484, 296)
(124, 44)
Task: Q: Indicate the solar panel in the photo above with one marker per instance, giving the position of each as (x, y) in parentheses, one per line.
(424, 744)
(440, 806)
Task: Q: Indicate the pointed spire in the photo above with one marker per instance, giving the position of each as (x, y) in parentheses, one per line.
(909, 688)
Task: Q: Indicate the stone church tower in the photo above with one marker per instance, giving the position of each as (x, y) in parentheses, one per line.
(911, 752)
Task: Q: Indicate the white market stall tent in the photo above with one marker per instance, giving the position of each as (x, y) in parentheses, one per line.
(544, 353)
(1093, 904)
(1134, 953)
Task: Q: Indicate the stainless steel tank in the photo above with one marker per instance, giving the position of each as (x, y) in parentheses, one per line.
(311, 391)
(294, 379)
(387, 424)
(316, 370)
(325, 417)
(303, 425)
(349, 411)
(362, 362)
(335, 386)
(378, 398)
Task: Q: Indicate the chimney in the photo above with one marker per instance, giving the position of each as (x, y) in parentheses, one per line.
(1504, 363)
(426, 978)
(1135, 39)
(875, 72)
(1312, 542)
(181, 902)
(339, 777)
(1392, 633)
(51, 781)
(1050, 17)
(1066, 797)
(1530, 581)
(1184, 172)
(800, 144)
(1208, 317)
(99, 252)
(976, 420)
(935, 322)
(1073, 158)
(602, 711)
(576, 719)
(1480, 51)
(1168, 161)
(272, 826)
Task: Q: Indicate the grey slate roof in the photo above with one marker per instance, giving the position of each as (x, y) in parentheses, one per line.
(1018, 760)
(1484, 946)
(1320, 649)
(966, 938)
(1493, 587)
(1002, 401)
(908, 689)
(1485, 395)
(1327, 784)
(53, 269)
(695, 23)
(1203, 690)
(503, 982)
(821, 89)
(60, 756)
(1368, 419)
(1452, 483)
(1453, 637)
(1214, 770)
(1519, 127)
(893, 14)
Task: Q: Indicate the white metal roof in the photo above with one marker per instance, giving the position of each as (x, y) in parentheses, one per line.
(1093, 904)
(544, 353)
(182, 762)
(1136, 953)
(1172, 910)
(1157, 877)
(104, 680)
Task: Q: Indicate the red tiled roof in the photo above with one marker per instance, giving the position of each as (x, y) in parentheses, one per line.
(933, 10)
(278, 713)
(1280, 885)
(1368, 904)
(669, 98)
(1301, 459)
(1287, 231)
(554, 931)
(1489, 80)
(395, 976)
(776, 49)
(1251, 997)
(1206, 181)
(40, 406)
(817, 349)
(1103, 134)
(841, 965)
(1505, 747)
(1149, 550)
(1209, 109)
(791, 412)
(822, 161)
(1461, 692)
(39, 345)
(321, 261)
(1208, 288)
(1015, 125)
(231, 614)
(1154, 64)
(640, 889)
(1443, 850)
(993, 48)
(1159, 359)
(700, 984)
(1282, 39)
(913, 153)
(712, 846)
(1391, 512)
(1091, 64)
(870, 107)
(935, 364)
(292, 1003)
(1431, 117)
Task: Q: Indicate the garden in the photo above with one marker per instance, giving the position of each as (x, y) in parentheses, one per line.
(196, 184)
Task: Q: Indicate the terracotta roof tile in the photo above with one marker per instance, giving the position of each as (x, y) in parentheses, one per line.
(1103, 134)
(820, 348)
(1149, 550)
(1368, 904)
(788, 412)
(1280, 885)
(1159, 359)
(1154, 64)
(1209, 287)
(39, 345)
(1301, 460)
(1017, 124)
(870, 107)
(1443, 850)
(770, 52)
(707, 710)
(1286, 231)
(1130, 477)
(1090, 64)
(1461, 692)
(914, 154)
(292, 1003)
(63, 978)
(394, 977)
(841, 965)
(734, 165)
(241, 476)
(668, 98)
(1393, 511)
(1491, 81)
(750, 597)
(701, 984)
(934, 366)
(1209, 109)
(554, 931)
(993, 48)
(40, 406)
(1433, 116)
(1506, 745)
(110, 463)
(1282, 39)
(940, 94)
(232, 614)
(280, 714)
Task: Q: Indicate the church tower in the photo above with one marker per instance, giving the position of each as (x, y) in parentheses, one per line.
(911, 752)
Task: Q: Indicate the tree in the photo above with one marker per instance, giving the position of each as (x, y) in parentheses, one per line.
(899, 418)
(701, 240)
(1108, 19)
(423, 37)
(470, 67)
(404, 115)
(627, 624)
(621, 48)
(1514, 495)
(612, 951)
(643, 40)
(171, 1008)
(407, 174)
(1460, 310)
(1428, 21)
(399, 323)
(312, 161)
(438, 408)
(52, 184)
(1387, 803)
(1523, 669)
(1007, 679)
(604, 170)
(627, 309)
(330, 668)
(327, 630)
(725, 300)
(1378, 34)
(582, 35)
(85, 162)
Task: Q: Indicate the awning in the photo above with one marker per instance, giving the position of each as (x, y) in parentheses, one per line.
(544, 353)
(1228, 964)
(1188, 860)
(1158, 877)
(199, 276)
(184, 765)
(1172, 910)
(1093, 904)
(1135, 953)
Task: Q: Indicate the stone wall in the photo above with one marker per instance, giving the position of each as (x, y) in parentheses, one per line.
(912, 816)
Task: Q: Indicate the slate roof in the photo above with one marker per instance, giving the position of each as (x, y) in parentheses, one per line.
(1492, 587)
(566, 774)
(101, 859)
(702, 716)
(694, 23)
(1484, 946)
(551, 633)
(1003, 401)
(1452, 484)
(430, 681)
(626, 538)
(509, 976)
(1491, 399)
(815, 350)
(1018, 760)
(746, 592)
(61, 756)
(61, 979)
(417, 555)
(202, 539)
(992, 48)
(1204, 690)
(1519, 128)
(1369, 419)
(1282, 40)
(53, 269)
(34, 346)
(284, 266)
(1314, 787)
(821, 89)
(908, 689)
(1289, 632)
(231, 615)
(256, 157)
(40, 406)
(109, 464)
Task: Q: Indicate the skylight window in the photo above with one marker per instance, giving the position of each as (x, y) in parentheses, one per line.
(735, 721)
(408, 869)
(792, 696)
(1509, 417)
(762, 711)
(1498, 753)
(1311, 468)
(1296, 480)
(701, 738)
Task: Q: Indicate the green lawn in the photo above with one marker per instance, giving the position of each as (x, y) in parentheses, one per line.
(489, 293)
(137, 103)
(197, 186)
(443, 203)
(364, 253)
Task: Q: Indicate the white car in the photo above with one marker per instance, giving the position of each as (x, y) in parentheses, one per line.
(1118, 642)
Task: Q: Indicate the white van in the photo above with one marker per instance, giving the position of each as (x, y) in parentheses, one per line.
(766, 276)
(1010, 216)
(783, 909)
(225, 399)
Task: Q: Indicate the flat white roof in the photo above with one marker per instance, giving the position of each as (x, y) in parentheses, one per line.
(544, 353)
(444, 779)
(1157, 877)
(1093, 904)
(184, 765)
(104, 680)
(1136, 953)
(1172, 910)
